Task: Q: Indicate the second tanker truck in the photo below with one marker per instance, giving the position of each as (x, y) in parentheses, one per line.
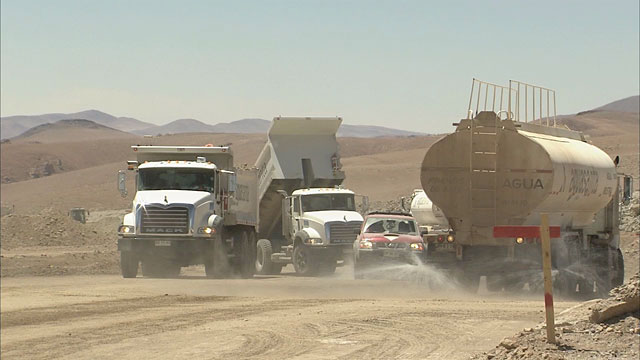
(499, 171)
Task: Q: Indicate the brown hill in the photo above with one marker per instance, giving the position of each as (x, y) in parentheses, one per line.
(19, 158)
(70, 131)
(89, 168)
(617, 133)
(91, 183)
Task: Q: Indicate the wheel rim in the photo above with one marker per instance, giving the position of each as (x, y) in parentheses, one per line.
(301, 260)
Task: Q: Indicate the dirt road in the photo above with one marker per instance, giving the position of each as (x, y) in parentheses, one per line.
(100, 317)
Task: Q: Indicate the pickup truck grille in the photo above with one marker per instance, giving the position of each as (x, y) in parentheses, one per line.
(343, 232)
(157, 220)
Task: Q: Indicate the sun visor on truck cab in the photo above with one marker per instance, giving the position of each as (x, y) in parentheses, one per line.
(305, 126)
(222, 156)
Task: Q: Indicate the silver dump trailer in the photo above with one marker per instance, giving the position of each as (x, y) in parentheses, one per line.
(304, 219)
(500, 170)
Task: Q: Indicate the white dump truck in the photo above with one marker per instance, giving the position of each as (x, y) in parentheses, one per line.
(193, 206)
(305, 217)
(507, 163)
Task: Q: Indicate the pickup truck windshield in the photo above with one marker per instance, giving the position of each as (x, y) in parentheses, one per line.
(321, 202)
(175, 179)
(389, 226)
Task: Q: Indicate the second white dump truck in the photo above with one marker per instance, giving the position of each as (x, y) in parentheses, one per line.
(193, 206)
(305, 218)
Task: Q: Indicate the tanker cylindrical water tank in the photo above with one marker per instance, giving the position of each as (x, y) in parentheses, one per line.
(498, 172)
(425, 212)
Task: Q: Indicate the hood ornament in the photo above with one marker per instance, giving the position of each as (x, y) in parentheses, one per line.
(345, 218)
(165, 199)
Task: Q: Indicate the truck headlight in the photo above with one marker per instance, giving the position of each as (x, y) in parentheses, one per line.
(313, 241)
(366, 245)
(417, 246)
(126, 229)
(206, 230)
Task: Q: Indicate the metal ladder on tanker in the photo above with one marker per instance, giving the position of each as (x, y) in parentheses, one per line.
(484, 132)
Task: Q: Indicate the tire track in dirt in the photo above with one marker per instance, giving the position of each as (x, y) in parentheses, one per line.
(57, 346)
(35, 316)
(181, 318)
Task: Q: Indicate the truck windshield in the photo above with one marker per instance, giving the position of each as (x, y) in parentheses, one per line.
(321, 202)
(175, 179)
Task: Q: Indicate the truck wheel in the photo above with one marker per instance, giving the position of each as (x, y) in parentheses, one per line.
(618, 277)
(216, 262)
(128, 264)
(359, 270)
(468, 280)
(328, 267)
(264, 266)
(303, 261)
(244, 264)
(494, 283)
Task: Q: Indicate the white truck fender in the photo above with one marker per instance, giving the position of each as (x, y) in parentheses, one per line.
(214, 221)
(307, 233)
(129, 219)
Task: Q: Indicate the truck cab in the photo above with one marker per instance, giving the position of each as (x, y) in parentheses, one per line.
(186, 211)
(319, 226)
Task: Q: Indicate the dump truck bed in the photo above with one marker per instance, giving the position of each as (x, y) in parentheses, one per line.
(300, 152)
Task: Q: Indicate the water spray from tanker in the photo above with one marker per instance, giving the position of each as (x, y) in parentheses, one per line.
(415, 272)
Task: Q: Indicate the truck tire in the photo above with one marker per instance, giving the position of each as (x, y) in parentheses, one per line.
(128, 264)
(328, 267)
(618, 278)
(215, 264)
(264, 266)
(469, 280)
(304, 262)
(359, 270)
(245, 262)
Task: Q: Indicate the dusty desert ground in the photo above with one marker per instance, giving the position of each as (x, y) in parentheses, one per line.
(104, 317)
(62, 297)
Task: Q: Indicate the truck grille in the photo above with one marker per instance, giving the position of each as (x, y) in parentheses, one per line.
(343, 232)
(157, 220)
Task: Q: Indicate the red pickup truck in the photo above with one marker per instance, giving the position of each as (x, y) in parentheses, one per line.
(385, 238)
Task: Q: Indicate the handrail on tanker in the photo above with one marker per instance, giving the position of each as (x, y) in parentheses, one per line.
(536, 92)
(495, 93)
(494, 89)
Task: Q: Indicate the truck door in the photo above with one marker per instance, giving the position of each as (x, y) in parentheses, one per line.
(297, 213)
(290, 218)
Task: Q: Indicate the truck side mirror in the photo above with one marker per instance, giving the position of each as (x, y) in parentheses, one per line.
(122, 183)
(233, 183)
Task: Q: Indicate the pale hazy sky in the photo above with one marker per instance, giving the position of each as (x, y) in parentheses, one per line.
(404, 64)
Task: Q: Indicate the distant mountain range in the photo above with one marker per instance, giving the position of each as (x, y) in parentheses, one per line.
(244, 126)
(12, 126)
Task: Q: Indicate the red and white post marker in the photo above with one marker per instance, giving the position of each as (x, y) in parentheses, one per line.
(546, 271)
